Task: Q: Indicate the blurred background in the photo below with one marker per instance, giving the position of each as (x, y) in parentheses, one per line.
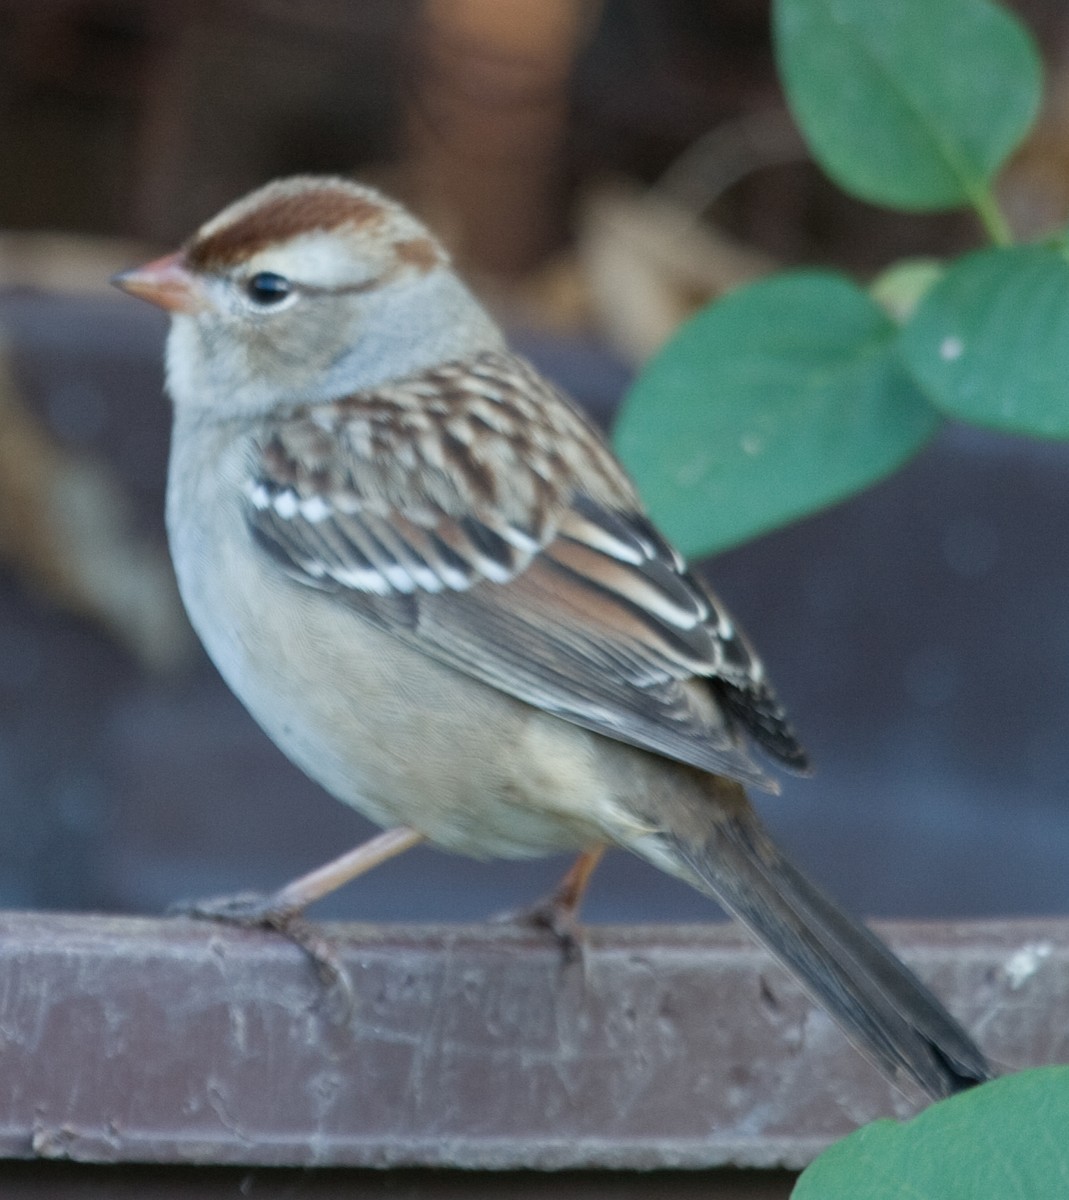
(599, 170)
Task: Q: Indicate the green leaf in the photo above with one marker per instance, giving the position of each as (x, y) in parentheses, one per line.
(777, 400)
(990, 342)
(911, 103)
(1003, 1140)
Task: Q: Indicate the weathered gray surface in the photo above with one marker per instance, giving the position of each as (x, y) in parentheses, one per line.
(168, 1041)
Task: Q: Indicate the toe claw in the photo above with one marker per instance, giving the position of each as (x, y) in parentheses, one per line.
(249, 910)
(558, 919)
(257, 910)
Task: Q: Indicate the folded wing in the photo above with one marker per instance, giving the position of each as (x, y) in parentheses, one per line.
(444, 510)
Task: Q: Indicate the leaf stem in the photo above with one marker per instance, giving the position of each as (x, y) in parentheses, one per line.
(992, 217)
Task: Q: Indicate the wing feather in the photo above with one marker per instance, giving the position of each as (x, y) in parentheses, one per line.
(507, 542)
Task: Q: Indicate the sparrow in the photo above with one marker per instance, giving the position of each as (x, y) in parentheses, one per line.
(426, 576)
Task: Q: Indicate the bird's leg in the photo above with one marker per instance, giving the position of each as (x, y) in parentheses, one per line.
(283, 910)
(275, 909)
(559, 911)
(297, 895)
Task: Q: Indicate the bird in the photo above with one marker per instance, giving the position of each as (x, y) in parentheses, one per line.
(425, 574)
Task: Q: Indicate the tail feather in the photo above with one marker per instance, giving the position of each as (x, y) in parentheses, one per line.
(881, 1005)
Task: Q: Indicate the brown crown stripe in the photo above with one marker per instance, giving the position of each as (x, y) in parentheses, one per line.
(420, 253)
(279, 219)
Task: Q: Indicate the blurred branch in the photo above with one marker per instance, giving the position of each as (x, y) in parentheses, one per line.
(727, 154)
(650, 263)
(647, 258)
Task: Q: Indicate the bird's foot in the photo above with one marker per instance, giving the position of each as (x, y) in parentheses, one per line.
(248, 910)
(559, 911)
(260, 910)
(555, 916)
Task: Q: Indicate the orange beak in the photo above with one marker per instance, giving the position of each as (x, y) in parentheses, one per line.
(165, 282)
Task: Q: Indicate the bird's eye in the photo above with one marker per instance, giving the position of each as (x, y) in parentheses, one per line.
(267, 288)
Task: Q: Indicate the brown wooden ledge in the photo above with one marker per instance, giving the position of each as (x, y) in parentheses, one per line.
(169, 1041)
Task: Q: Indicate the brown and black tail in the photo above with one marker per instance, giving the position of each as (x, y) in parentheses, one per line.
(881, 1005)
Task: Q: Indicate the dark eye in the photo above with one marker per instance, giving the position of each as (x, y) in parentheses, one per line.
(267, 288)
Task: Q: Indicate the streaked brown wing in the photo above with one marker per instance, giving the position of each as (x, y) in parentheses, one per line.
(569, 601)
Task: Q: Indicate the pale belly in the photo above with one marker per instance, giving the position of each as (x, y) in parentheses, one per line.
(400, 737)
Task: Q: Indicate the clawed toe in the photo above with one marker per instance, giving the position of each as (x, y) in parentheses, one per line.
(551, 915)
(559, 911)
(257, 910)
(249, 910)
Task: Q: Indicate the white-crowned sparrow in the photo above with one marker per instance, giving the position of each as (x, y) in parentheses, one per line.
(432, 584)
